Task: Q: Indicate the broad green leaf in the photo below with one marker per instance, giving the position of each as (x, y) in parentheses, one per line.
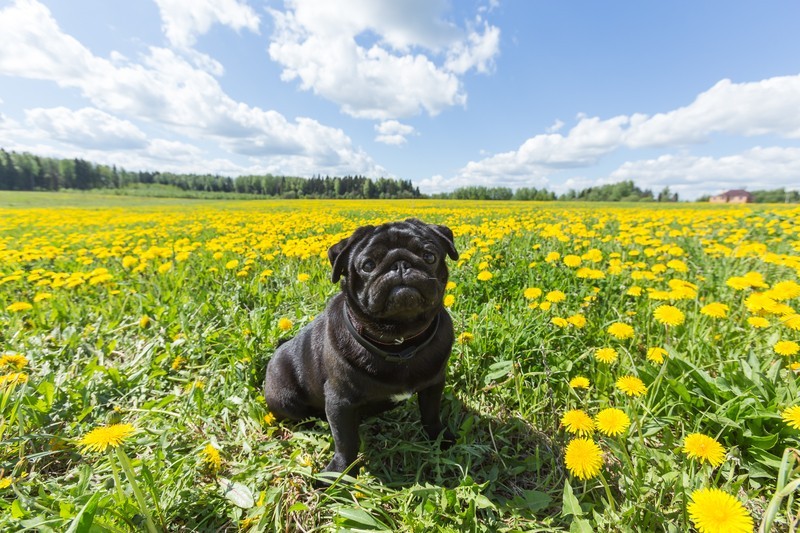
(238, 494)
(570, 504)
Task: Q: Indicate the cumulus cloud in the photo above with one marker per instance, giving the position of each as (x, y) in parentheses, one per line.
(393, 132)
(377, 59)
(692, 176)
(770, 106)
(87, 127)
(184, 20)
(477, 51)
(767, 107)
(166, 89)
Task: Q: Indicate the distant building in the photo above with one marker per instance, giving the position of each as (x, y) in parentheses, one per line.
(736, 196)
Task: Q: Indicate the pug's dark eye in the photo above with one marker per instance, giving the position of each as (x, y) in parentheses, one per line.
(368, 265)
(429, 258)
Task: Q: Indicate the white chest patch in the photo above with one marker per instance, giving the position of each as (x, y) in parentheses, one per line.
(401, 397)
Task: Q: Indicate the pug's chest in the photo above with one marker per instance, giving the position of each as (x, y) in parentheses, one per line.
(399, 384)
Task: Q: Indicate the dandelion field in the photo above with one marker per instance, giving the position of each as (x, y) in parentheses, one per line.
(617, 368)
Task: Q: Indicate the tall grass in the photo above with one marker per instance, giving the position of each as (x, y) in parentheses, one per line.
(164, 316)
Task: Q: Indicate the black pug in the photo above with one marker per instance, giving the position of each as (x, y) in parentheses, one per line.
(385, 336)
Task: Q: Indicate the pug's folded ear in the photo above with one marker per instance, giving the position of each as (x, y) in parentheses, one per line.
(446, 235)
(442, 233)
(339, 253)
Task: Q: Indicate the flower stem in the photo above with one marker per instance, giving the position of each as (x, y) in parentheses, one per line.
(125, 462)
(610, 498)
(117, 481)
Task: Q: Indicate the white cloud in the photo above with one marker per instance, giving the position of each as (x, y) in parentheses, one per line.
(393, 132)
(477, 51)
(377, 59)
(692, 176)
(168, 91)
(184, 20)
(768, 107)
(87, 127)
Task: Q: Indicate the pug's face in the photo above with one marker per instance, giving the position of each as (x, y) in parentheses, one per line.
(397, 271)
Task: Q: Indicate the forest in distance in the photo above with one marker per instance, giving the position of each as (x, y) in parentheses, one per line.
(30, 172)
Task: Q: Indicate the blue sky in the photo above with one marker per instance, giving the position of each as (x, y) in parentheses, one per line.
(698, 96)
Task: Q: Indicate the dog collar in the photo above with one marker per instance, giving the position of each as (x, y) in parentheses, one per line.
(392, 357)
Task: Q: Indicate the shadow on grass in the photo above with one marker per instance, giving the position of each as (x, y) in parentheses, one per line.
(504, 459)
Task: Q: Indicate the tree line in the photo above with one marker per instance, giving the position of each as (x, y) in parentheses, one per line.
(28, 172)
(624, 191)
(772, 196)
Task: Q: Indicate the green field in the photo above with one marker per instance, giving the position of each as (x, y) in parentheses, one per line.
(134, 334)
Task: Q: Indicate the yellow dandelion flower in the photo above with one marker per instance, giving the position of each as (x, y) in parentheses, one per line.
(449, 300)
(715, 511)
(755, 279)
(634, 291)
(178, 362)
(544, 306)
(656, 354)
(230, 265)
(99, 439)
(791, 321)
(669, 315)
(704, 448)
(552, 256)
(485, 275)
(14, 378)
(791, 415)
(13, 360)
(583, 458)
(555, 296)
(579, 382)
(211, 458)
(612, 421)
(465, 337)
(269, 419)
(531, 293)
(572, 260)
(128, 261)
(42, 296)
(631, 385)
(785, 290)
(166, 267)
(620, 330)
(560, 322)
(302, 278)
(715, 310)
(284, 324)
(677, 265)
(758, 322)
(19, 306)
(144, 321)
(606, 355)
(738, 283)
(192, 386)
(786, 348)
(577, 421)
(5, 482)
(578, 320)
(450, 286)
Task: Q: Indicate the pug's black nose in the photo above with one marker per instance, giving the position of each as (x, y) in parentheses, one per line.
(401, 266)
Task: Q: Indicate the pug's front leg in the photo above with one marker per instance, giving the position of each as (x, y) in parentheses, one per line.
(344, 420)
(430, 402)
